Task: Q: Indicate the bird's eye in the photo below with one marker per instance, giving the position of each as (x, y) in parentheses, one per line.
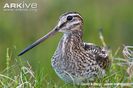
(69, 18)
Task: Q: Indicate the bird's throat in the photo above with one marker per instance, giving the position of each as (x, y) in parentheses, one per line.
(70, 42)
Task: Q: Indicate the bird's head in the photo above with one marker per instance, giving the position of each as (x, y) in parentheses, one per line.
(68, 23)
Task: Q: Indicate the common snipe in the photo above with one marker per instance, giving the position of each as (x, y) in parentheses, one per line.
(75, 61)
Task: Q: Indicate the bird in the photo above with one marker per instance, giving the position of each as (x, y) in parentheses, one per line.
(74, 60)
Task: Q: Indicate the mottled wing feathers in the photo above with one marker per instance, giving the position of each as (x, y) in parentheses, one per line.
(101, 54)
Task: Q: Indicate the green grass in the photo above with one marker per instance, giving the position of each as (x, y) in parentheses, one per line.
(21, 75)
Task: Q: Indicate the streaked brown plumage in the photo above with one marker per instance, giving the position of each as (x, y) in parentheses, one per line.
(75, 61)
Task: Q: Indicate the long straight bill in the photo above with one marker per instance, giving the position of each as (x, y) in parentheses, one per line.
(51, 33)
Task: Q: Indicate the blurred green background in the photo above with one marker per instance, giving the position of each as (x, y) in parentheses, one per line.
(21, 28)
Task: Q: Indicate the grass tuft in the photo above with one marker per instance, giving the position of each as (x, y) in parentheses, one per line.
(21, 75)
